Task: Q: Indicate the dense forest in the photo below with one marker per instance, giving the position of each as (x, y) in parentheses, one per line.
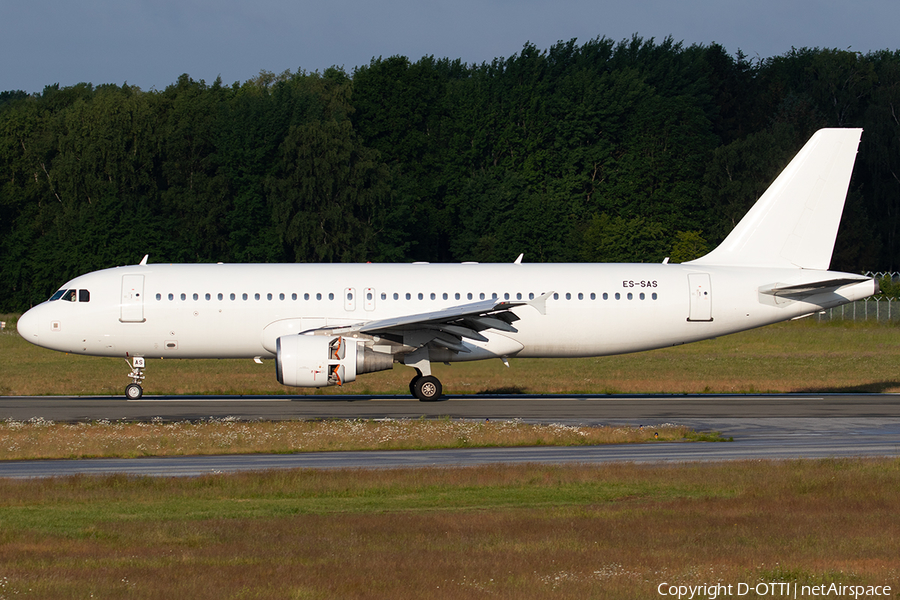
(607, 151)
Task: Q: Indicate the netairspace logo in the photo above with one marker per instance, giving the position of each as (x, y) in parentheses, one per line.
(780, 589)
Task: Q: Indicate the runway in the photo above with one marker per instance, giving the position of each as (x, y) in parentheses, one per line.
(762, 426)
(583, 409)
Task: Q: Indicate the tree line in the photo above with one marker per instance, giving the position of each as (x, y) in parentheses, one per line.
(605, 151)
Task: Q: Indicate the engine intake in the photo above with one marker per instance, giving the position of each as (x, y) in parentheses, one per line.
(320, 361)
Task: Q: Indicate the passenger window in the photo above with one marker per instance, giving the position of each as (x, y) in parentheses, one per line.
(642, 296)
(605, 296)
(171, 296)
(319, 296)
(232, 296)
(555, 296)
(593, 296)
(469, 295)
(481, 296)
(331, 296)
(518, 295)
(618, 296)
(653, 296)
(196, 296)
(445, 296)
(568, 296)
(408, 296)
(580, 296)
(531, 295)
(421, 296)
(159, 296)
(256, 296)
(456, 295)
(630, 296)
(281, 296)
(208, 297)
(220, 296)
(396, 296)
(244, 296)
(306, 296)
(184, 296)
(293, 296)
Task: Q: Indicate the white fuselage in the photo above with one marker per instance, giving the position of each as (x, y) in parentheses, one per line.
(239, 311)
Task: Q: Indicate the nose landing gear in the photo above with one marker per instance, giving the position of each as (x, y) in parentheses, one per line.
(134, 391)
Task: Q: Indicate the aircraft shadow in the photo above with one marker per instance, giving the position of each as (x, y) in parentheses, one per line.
(876, 387)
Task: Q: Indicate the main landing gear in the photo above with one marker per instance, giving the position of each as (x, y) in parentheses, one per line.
(427, 388)
(134, 391)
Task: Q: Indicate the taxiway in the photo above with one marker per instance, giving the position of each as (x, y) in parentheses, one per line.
(762, 427)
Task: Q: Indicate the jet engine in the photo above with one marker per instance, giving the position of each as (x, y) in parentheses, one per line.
(320, 361)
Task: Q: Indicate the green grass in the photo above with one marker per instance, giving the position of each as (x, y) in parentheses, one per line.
(74, 512)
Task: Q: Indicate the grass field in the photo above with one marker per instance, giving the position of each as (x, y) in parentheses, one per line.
(41, 439)
(788, 357)
(616, 531)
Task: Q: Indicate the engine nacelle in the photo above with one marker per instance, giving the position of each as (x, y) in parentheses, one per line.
(320, 361)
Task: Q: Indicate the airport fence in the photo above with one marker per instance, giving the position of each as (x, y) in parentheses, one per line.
(878, 308)
(870, 309)
(894, 275)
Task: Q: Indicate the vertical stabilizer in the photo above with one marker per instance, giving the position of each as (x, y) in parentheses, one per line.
(795, 222)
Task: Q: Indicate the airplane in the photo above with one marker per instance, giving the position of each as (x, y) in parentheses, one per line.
(326, 324)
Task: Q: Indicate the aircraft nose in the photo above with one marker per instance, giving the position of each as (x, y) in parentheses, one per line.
(28, 326)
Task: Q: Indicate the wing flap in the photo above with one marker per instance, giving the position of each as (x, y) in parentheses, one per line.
(458, 331)
(482, 323)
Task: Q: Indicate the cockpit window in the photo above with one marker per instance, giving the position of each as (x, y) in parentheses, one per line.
(72, 295)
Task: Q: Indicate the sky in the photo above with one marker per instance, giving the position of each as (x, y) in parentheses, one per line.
(150, 43)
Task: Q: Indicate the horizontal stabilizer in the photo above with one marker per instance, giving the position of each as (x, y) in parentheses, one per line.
(804, 290)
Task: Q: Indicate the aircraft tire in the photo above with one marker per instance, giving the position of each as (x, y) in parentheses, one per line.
(427, 388)
(133, 391)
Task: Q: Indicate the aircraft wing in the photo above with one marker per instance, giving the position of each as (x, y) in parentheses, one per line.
(447, 327)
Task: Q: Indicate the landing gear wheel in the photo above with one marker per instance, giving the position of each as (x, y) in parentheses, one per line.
(426, 388)
(133, 390)
(412, 385)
